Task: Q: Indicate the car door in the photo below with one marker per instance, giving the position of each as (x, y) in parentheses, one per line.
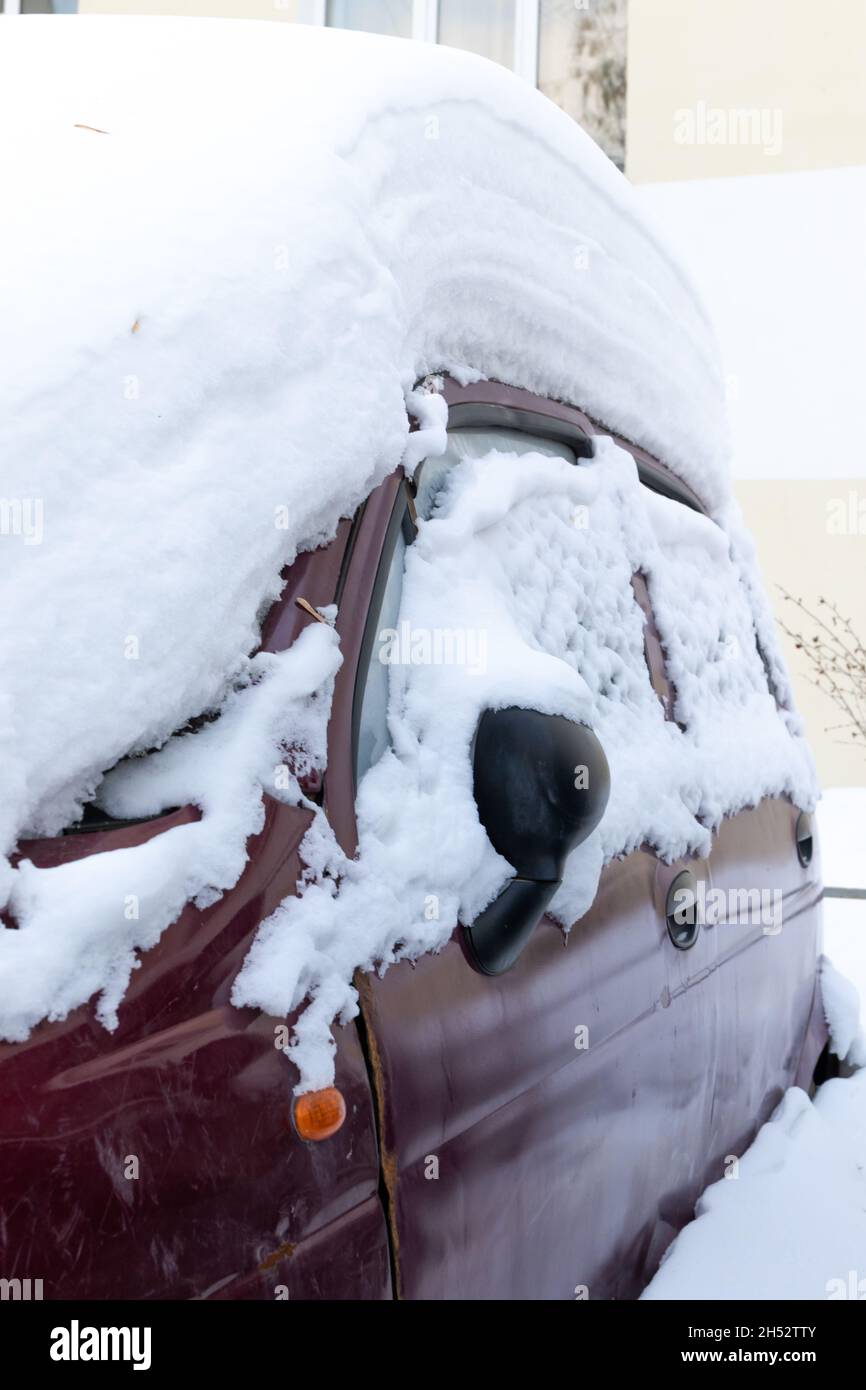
(545, 1133)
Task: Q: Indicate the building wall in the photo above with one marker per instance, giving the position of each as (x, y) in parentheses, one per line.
(801, 59)
(811, 540)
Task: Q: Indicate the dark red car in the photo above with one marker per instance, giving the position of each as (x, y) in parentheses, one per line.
(483, 1153)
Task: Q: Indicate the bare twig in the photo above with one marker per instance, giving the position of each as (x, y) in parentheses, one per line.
(836, 662)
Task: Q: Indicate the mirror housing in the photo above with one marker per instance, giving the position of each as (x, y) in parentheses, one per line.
(541, 785)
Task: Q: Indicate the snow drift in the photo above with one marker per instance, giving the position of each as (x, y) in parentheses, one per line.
(788, 1220)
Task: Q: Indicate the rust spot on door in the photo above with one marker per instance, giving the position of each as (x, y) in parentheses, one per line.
(282, 1252)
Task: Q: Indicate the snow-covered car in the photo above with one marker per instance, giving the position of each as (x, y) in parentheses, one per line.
(397, 747)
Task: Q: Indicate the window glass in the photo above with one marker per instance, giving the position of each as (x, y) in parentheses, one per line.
(582, 67)
(373, 727)
(431, 477)
(375, 16)
(49, 6)
(482, 26)
(475, 443)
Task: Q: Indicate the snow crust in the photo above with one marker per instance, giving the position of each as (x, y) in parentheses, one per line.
(235, 249)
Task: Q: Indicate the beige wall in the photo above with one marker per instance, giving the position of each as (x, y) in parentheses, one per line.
(795, 525)
(801, 67)
(805, 59)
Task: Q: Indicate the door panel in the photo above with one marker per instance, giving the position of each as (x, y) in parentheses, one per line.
(560, 1166)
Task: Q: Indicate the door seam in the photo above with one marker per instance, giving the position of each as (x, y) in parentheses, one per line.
(387, 1157)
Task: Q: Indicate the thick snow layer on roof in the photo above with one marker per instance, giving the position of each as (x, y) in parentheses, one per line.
(227, 249)
(232, 250)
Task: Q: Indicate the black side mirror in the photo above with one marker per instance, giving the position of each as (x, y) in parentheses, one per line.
(541, 784)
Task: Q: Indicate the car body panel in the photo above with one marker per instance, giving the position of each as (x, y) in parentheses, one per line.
(193, 1096)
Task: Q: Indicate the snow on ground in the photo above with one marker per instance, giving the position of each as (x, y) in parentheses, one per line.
(779, 261)
(792, 1224)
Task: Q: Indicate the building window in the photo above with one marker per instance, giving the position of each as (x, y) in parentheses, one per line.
(375, 16)
(11, 7)
(573, 50)
(581, 66)
(481, 26)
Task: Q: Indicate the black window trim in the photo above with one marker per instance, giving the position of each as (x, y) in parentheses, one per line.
(523, 420)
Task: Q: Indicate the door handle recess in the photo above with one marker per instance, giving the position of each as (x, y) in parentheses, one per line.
(681, 910)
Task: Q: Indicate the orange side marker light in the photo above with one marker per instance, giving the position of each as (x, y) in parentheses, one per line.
(319, 1114)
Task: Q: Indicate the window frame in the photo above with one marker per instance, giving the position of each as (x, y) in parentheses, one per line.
(490, 402)
(401, 522)
(478, 403)
(492, 405)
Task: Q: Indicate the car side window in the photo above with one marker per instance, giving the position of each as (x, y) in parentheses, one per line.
(474, 442)
(370, 714)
